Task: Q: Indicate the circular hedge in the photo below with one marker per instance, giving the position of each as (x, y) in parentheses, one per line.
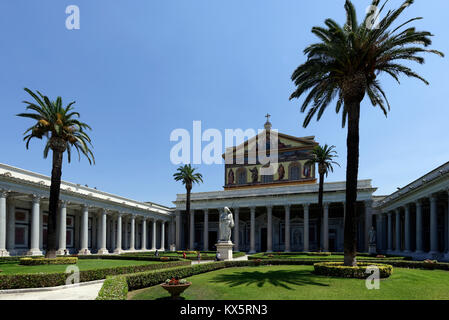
(337, 269)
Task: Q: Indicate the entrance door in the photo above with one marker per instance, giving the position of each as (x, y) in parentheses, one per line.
(263, 239)
(213, 238)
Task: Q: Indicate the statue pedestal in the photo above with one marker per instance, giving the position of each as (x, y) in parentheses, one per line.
(372, 249)
(225, 250)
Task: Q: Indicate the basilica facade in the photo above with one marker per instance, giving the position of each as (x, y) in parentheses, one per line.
(274, 211)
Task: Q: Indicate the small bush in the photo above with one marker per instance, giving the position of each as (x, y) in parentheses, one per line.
(114, 288)
(337, 269)
(319, 253)
(47, 261)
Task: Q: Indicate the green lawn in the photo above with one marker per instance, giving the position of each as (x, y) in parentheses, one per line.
(298, 282)
(83, 264)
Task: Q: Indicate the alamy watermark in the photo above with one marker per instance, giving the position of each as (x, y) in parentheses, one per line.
(260, 149)
(72, 22)
(373, 280)
(73, 273)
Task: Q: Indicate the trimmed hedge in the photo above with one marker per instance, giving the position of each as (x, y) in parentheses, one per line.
(205, 255)
(114, 288)
(46, 261)
(40, 280)
(134, 256)
(337, 269)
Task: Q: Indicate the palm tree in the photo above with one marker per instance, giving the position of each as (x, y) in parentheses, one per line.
(62, 129)
(322, 155)
(187, 175)
(344, 66)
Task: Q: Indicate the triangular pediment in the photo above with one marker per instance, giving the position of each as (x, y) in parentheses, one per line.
(285, 143)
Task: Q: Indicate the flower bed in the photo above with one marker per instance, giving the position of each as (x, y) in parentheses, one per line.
(337, 269)
(46, 261)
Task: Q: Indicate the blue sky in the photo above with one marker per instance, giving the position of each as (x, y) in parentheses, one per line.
(140, 69)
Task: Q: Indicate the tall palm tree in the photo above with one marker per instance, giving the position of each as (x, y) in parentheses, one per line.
(186, 174)
(63, 131)
(344, 66)
(323, 156)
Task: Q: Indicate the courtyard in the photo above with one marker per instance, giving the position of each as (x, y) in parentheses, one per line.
(299, 283)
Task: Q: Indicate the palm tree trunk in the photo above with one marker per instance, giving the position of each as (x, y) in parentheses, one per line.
(320, 211)
(188, 215)
(352, 168)
(55, 188)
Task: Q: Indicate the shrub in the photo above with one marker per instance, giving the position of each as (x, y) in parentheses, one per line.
(319, 253)
(46, 261)
(114, 288)
(133, 256)
(337, 269)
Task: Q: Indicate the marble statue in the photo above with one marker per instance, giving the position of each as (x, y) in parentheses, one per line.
(372, 236)
(226, 224)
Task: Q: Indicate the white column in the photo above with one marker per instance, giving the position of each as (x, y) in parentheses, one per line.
(397, 247)
(390, 232)
(306, 227)
(132, 237)
(3, 251)
(144, 234)
(118, 248)
(113, 232)
(192, 230)
(287, 228)
(253, 230)
(11, 225)
(98, 228)
(125, 232)
(407, 228)
(162, 235)
(34, 250)
(419, 244)
(326, 227)
(433, 225)
(178, 230)
(236, 229)
(84, 230)
(153, 241)
(41, 228)
(103, 249)
(269, 229)
(206, 230)
(62, 227)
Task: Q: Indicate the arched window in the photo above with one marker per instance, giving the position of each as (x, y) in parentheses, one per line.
(307, 171)
(294, 171)
(241, 176)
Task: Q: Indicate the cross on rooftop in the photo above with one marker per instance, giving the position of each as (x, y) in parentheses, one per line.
(268, 117)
